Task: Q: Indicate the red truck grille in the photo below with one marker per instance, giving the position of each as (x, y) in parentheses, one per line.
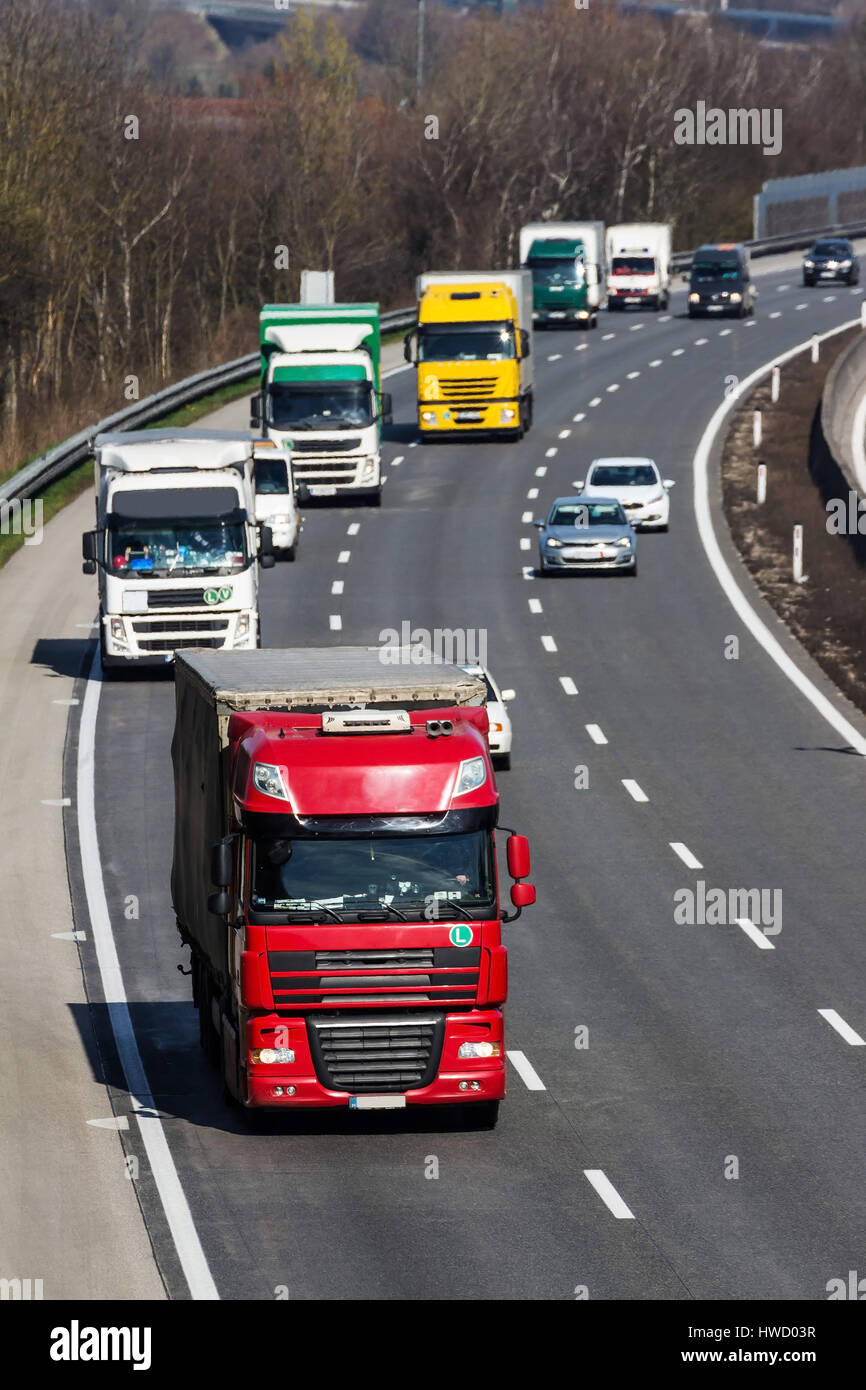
(357, 978)
(376, 1052)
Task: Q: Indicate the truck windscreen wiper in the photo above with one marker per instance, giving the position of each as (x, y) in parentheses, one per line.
(310, 912)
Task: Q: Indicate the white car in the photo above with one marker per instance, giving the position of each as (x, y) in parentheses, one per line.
(636, 484)
(275, 496)
(499, 736)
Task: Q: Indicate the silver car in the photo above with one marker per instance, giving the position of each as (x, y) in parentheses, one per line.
(583, 533)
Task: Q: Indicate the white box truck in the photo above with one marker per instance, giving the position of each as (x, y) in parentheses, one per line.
(639, 265)
(566, 261)
(176, 545)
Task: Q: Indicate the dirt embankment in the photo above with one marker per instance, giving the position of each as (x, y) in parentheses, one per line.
(828, 612)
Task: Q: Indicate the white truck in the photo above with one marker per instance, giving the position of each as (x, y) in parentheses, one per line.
(176, 545)
(639, 265)
(566, 260)
(321, 393)
(274, 486)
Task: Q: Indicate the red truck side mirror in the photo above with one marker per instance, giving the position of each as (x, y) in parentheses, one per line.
(517, 855)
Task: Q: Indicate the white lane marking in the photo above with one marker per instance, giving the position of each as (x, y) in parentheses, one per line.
(554, 357)
(724, 332)
(525, 543)
(677, 352)
(842, 1028)
(631, 375)
(69, 935)
(413, 444)
(596, 400)
(563, 434)
(738, 600)
(343, 557)
(113, 1122)
(857, 291)
(548, 644)
(801, 306)
(568, 685)
(581, 415)
(635, 327)
(397, 461)
(608, 1194)
(614, 386)
(605, 337)
(528, 572)
(776, 314)
(699, 342)
(551, 452)
(829, 298)
(755, 934)
(656, 362)
(582, 347)
(66, 702)
(56, 801)
(535, 605)
(541, 470)
(526, 1071)
(337, 586)
(635, 791)
(664, 318)
(174, 1203)
(779, 288)
(353, 528)
(526, 517)
(335, 622)
(595, 733)
(533, 492)
(751, 323)
(685, 854)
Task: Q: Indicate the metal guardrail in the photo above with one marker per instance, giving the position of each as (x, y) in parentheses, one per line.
(30, 479)
(33, 477)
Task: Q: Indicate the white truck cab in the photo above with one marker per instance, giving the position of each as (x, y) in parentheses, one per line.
(176, 545)
(275, 504)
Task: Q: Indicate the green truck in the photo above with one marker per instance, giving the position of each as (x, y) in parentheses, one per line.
(566, 260)
(321, 394)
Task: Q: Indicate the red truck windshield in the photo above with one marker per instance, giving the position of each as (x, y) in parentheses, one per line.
(429, 876)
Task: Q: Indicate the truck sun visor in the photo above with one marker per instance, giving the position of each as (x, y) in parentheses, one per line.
(162, 504)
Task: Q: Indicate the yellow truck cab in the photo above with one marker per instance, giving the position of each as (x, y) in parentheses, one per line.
(472, 347)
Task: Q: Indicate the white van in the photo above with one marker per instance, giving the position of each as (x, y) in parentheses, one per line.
(273, 483)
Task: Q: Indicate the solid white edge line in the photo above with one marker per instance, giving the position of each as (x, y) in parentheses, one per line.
(183, 1232)
(526, 1071)
(842, 1028)
(608, 1194)
(755, 934)
(733, 592)
(685, 854)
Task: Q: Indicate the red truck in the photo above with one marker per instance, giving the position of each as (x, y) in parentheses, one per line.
(335, 878)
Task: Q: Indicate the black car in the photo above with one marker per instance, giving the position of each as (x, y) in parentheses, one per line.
(831, 258)
(720, 281)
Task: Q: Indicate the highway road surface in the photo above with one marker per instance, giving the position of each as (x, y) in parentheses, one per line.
(684, 1117)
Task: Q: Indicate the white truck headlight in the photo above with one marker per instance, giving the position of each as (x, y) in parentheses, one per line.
(118, 631)
(270, 1055)
(428, 416)
(506, 413)
(242, 628)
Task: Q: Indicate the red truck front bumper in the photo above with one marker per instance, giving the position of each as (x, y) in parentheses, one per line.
(296, 1085)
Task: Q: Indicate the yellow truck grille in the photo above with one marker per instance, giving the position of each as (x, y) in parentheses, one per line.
(466, 388)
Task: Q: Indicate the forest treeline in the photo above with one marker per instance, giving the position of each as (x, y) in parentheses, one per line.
(140, 228)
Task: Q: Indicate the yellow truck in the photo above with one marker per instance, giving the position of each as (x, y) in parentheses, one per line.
(473, 350)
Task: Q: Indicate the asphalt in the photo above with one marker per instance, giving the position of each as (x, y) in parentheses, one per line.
(705, 1054)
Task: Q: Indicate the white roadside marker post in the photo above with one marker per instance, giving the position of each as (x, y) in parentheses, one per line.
(756, 429)
(815, 347)
(799, 576)
(774, 383)
(762, 484)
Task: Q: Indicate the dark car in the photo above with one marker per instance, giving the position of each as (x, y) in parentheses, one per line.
(720, 281)
(831, 258)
